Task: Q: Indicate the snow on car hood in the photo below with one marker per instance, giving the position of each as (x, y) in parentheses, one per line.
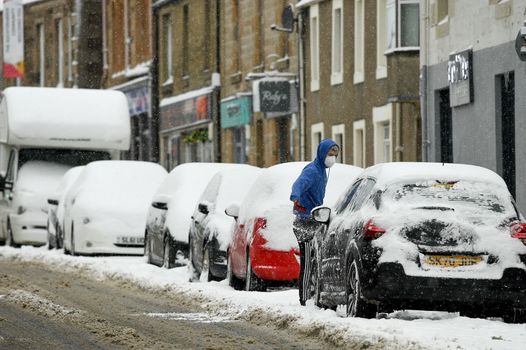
(37, 180)
(457, 218)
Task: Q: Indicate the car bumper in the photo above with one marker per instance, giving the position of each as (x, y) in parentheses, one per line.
(390, 285)
(93, 240)
(29, 228)
(272, 265)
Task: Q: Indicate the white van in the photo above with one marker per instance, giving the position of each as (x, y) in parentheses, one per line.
(61, 127)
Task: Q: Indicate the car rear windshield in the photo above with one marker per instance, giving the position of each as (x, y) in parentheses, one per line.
(453, 195)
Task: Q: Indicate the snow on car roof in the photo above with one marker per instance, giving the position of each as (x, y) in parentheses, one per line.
(396, 172)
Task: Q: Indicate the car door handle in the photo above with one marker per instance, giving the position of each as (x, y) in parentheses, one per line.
(332, 234)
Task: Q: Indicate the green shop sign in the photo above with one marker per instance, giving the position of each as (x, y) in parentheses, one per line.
(236, 112)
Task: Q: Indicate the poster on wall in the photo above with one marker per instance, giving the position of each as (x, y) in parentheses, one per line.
(13, 31)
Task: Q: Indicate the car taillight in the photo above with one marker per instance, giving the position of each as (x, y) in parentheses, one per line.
(518, 230)
(259, 224)
(371, 231)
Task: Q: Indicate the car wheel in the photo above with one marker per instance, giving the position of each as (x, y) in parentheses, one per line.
(72, 243)
(147, 248)
(233, 281)
(253, 282)
(356, 306)
(10, 240)
(168, 255)
(206, 275)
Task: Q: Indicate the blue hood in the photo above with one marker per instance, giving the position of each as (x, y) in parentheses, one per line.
(309, 187)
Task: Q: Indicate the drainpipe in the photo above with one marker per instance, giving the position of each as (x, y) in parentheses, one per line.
(218, 88)
(301, 77)
(399, 149)
(423, 78)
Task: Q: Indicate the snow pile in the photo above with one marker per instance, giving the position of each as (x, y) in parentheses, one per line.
(226, 187)
(37, 180)
(269, 198)
(400, 330)
(183, 187)
(116, 188)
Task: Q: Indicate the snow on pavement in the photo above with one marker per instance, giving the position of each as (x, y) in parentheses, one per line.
(403, 330)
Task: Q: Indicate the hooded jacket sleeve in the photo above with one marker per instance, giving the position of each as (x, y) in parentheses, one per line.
(302, 184)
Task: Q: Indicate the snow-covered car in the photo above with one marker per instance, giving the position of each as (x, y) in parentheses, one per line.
(263, 249)
(169, 216)
(26, 224)
(423, 236)
(105, 209)
(211, 229)
(55, 221)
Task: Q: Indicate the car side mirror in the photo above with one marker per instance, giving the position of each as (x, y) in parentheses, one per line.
(160, 205)
(52, 201)
(321, 214)
(233, 211)
(203, 208)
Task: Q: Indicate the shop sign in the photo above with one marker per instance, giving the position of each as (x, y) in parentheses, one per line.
(138, 100)
(187, 112)
(275, 98)
(460, 78)
(13, 48)
(236, 112)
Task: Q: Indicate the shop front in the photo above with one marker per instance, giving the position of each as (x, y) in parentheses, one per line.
(236, 116)
(138, 94)
(186, 128)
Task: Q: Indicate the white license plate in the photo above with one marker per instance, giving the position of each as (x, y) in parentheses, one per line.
(130, 240)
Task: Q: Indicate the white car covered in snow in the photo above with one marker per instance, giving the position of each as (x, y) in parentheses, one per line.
(169, 217)
(211, 229)
(26, 224)
(55, 223)
(423, 236)
(105, 209)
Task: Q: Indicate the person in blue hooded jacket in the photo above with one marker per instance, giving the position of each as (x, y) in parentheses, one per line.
(307, 193)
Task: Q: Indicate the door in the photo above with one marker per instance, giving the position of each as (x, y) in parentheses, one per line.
(506, 129)
(446, 127)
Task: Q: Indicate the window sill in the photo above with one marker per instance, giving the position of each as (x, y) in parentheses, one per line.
(402, 49)
(381, 72)
(336, 79)
(358, 78)
(314, 85)
(168, 81)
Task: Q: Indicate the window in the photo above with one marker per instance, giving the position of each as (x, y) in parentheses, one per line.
(381, 39)
(127, 38)
(70, 50)
(382, 119)
(359, 41)
(316, 137)
(338, 135)
(60, 52)
(168, 53)
(403, 24)
(344, 201)
(314, 49)
(337, 42)
(363, 193)
(239, 144)
(359, 143)
(41, 54)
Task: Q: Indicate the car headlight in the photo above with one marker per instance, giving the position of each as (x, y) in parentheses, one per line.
(20, 210)
(85, 221)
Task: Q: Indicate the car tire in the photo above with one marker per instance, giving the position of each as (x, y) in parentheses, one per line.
(168, 253)
(10, 241)
(72, 243)
(233, 281)
(206, 275)
(355, 305)
(253, 282)
(147, 248)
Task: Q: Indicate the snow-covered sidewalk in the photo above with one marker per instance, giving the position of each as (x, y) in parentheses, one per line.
(403, 330)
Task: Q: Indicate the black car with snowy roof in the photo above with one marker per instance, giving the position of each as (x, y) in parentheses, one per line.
(422, 236)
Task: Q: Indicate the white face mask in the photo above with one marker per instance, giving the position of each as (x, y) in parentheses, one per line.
(330, 161)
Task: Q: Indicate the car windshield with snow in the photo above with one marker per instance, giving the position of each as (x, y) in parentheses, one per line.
(422, 236)
(263, 250)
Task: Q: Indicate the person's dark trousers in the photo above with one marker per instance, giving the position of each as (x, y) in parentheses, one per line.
(304, 230)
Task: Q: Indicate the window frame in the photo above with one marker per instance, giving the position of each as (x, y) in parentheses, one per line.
(314, 48)
(359, 42)
(339, 129)
(397, 26)
(359, 125)
(167, 25)
(381, 39)
(337, 58)
(381, 116)
(59, 29)
(317, 128)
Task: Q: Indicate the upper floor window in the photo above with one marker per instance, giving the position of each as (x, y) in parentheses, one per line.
(59, 31)
(359, 40)
(168, 53)
(403, 24)
(337, 42)
(314, 48)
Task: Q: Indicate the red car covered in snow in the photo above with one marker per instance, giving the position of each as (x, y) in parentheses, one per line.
(263, 250)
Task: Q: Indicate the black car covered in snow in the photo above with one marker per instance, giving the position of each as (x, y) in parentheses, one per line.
(422, 236)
